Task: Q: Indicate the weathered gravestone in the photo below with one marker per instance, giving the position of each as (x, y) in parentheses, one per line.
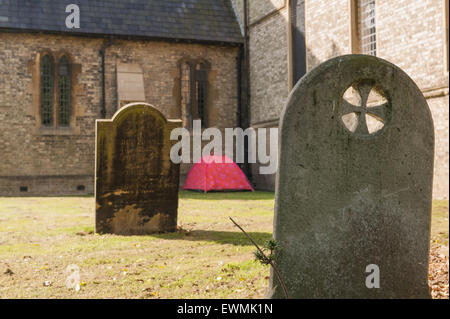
(136, 182)
(354, 184)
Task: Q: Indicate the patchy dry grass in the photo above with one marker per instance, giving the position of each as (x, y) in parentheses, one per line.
(439, 222)
(207, 258)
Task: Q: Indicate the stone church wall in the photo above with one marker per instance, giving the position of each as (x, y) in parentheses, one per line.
(37, 161)
(410, 34)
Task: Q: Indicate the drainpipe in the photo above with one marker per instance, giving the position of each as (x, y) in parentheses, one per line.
(239, 71)
(245, 82)
(290, 30)
(105, 45)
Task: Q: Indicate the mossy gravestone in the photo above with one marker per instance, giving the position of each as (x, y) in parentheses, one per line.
(136, 182)
(354, 186)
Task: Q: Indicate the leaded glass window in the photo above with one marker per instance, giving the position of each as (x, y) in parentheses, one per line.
(201, 81)
(186, 94)
(367, 27)
(47, 90)
(64, 92)
(194, 85)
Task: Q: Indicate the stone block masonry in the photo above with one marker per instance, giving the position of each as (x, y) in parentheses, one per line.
(410, 33)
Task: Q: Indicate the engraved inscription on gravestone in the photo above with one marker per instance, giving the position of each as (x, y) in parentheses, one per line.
(136, 183)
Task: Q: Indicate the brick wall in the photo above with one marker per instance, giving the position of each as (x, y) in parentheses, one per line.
(327, 27)
(56, 162)
(159, 62)
(269, 83)
(410, 34)
(268, 60)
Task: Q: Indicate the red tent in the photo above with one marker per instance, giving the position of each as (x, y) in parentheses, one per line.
(216, 173)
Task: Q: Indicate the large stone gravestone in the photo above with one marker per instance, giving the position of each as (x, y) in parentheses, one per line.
(136, 182)
(354, 186)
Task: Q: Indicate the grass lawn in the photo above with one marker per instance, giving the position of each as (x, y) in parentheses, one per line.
(207, 258)
(439, 222)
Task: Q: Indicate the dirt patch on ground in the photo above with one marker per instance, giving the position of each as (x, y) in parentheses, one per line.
(438, 272)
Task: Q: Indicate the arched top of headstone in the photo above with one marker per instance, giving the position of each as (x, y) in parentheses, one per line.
(354, 183)
(133, 107)
(365, 95)
(136, 182)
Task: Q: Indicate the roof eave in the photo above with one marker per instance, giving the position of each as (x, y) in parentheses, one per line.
(127, 37)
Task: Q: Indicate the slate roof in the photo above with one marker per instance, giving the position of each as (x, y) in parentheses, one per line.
(197, 20)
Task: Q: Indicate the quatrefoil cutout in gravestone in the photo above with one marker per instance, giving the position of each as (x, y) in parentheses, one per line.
(365, 108)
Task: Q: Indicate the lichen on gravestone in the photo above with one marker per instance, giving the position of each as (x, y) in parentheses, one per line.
(354, 184)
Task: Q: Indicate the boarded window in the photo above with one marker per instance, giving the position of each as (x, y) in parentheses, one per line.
(47, 90)
(64, 92)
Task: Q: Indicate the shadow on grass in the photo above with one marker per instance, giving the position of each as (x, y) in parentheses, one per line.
(220, 237)
(229, 195)
(258, 195)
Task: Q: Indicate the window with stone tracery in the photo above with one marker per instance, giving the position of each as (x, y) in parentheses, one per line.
(186, 94)
(55, 91)
(47, 90)
(194, 92)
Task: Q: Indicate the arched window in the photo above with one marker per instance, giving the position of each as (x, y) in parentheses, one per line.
(186, 94)
(64, 91)
(194, 89)
(201, 84)
(47, 90)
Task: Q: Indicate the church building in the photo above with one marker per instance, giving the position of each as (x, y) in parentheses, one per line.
(229, 63)
(287, 38)
(180, 56)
